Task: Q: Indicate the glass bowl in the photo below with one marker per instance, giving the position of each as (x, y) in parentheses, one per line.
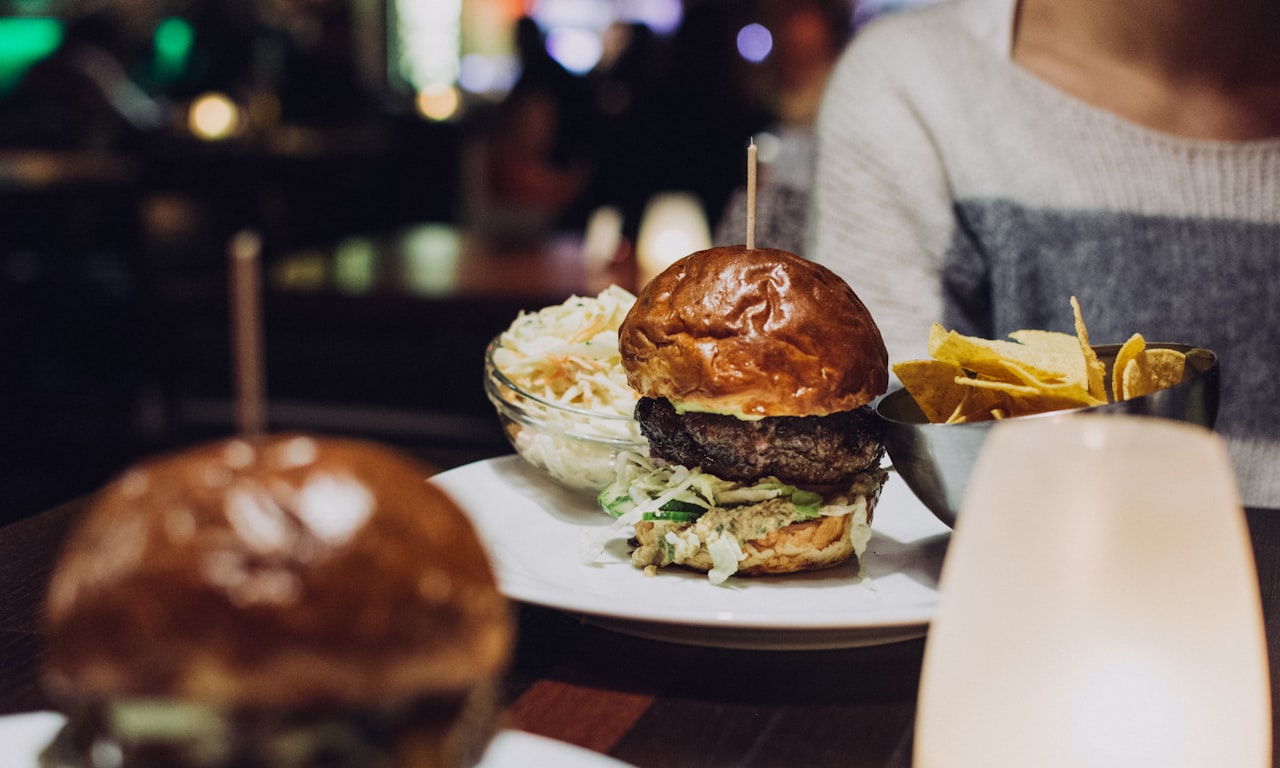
(935, 460)
(575, 446)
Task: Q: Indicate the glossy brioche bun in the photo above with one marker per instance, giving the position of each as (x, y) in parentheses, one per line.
(806, 546)
(753, 332)
(277, 572)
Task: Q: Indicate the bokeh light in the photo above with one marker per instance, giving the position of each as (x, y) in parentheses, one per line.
(662, 16)
(577, 49)
(213, 116)
(23, 42)
(755, 42)
(477, 73)
(173, 40)
(438, 102)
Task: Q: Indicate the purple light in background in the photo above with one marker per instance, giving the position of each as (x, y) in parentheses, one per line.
(576, 49)
(754, 42)
(662, 16)
(477, 73)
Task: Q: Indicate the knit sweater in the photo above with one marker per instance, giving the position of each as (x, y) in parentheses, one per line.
(953, 186)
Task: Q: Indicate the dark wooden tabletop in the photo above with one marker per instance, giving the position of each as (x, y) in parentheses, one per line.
(647, 703)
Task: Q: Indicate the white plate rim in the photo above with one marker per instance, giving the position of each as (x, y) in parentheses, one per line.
(24, 735)
(506, 497)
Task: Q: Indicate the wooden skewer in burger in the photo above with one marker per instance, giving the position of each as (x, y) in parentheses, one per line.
(755, 369)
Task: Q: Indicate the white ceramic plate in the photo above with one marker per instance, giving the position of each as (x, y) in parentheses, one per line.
(23, 737)
(533, 528)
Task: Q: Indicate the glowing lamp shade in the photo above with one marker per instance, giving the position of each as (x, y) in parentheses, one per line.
(673, 226)
(1099, 606)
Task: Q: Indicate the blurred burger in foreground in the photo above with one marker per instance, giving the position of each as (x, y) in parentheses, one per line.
(755, 368)
(277, 601)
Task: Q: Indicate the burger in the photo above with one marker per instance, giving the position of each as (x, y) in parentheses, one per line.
(285, 601)
(755, 370)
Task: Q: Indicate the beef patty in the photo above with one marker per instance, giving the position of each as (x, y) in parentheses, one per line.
(805, 450)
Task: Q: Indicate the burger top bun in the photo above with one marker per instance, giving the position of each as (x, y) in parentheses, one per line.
(753, 333)
(274, 572)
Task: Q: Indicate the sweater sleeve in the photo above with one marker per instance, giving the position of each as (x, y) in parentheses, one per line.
(881, 215)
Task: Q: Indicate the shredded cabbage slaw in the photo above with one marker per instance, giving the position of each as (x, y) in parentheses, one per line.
(643, 487)
(567, 355)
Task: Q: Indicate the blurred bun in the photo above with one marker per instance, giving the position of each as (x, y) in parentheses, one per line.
(753, 332)
(285, 572)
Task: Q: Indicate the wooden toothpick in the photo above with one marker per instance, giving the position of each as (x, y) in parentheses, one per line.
(751, 194)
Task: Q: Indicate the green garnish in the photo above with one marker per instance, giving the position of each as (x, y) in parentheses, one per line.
(807, 503)
(670, 516)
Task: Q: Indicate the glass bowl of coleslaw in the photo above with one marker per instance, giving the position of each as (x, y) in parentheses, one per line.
(555, 378)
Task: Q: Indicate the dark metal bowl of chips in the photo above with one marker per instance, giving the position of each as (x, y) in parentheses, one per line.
(935, 460)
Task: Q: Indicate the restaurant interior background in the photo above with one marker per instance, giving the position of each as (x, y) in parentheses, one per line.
(137, 138)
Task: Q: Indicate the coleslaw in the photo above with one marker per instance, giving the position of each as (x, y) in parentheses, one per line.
(567, 354)
(565, 394)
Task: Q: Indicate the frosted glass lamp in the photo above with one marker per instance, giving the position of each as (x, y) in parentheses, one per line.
(1099, 606)
(673, 226)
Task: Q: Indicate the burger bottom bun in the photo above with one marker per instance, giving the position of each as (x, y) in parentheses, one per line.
(434, 732)
(804, 546)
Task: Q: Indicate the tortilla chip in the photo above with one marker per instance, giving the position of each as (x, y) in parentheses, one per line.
(974, 379)
(1128, 351)
(1094, 367)
(932, 384)
(1152, 370)
(1027, 399)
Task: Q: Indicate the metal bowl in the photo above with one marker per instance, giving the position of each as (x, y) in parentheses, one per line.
(935, 460)
(575, 446)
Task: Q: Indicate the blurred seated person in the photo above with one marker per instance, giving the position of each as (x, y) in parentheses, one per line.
(808, 38)
(979, 162)
(524, 171)
(810, 35)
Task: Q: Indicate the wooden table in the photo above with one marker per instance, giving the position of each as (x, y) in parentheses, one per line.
(647, 703)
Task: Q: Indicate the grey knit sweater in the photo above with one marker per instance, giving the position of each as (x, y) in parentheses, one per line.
(951, 185)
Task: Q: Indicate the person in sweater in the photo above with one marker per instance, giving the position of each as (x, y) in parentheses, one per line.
(979, 162)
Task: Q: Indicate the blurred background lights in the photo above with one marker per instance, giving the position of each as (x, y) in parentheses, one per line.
(662, 16)
(173, 41)
(554, 14)
(456, 42)
(428, 44)
(673, 225)
(437, 102)
(432, 253)
(354, 260)
(754, 42)
(213, 116)
(577, 49)
(478, 73)
(23, 42)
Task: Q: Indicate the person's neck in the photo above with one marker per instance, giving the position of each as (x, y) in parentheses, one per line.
(1197, 68)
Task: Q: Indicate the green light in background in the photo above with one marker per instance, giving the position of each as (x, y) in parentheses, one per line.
(354, 265)
(431, 256)
(173, 40)
(24, 41)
